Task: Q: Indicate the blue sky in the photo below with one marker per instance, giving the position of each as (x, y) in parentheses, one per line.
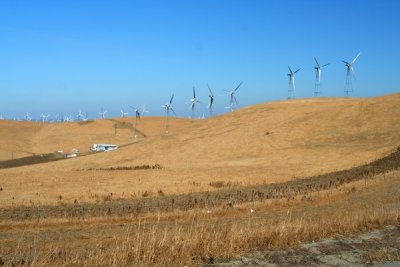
(66, 56)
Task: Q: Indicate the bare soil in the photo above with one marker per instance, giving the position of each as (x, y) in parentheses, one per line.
(375, 248)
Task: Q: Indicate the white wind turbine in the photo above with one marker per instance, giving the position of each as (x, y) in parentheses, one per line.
(27, 117)
(80, 116)
(123, 114)
(318, 70)
(168, 108)
(137, 117)
(193, 102)
(232, 94)
(144, 110)
(291, 82)
(349, 71)
(210, 101)
(103, 113)
(44, 117)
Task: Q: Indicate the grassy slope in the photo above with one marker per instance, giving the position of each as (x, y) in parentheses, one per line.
(269, 142)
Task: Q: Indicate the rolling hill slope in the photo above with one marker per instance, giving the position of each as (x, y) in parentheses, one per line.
(269, 142)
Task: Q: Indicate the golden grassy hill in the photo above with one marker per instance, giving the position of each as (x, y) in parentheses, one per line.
(268, 142)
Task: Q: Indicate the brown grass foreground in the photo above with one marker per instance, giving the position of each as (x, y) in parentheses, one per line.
(193, 237)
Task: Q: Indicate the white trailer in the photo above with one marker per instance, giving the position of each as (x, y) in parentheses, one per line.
(103, 147)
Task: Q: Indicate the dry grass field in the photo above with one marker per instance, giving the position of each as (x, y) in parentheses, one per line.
(186, 197)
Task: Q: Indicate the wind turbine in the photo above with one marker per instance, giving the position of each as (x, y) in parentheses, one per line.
(291, 82)
(80, 116)
(168, 107)
(210, 101)
(144, 110)
(318, 70)
(123, 114)
(103, 113)
(27, 117)
(233, 102)
(349, 70)
(193, 102)
(44, 117)
(137, 117)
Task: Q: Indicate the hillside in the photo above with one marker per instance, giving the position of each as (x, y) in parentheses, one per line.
(264, 143)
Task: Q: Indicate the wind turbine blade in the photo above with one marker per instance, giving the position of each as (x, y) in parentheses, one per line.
(194, 93)
(316, 61)
(353, 72)
(291, 72)
(354, 60)
(326, 65)
(238, 86)
(297, 70)
(209, 89)
(173, 111)
(345, 62)
(227, 91)
(172, 97)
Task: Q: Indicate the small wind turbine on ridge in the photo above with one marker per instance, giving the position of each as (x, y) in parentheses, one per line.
(144, 110)
(232, 94)
(318, 69)
(291, 82)
(123, 114)
(103, 113)
(210, 101)
(193, 102)
(137, 117)
(349, 71)
(168, 108)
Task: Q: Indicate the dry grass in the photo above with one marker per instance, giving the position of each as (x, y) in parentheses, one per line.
(192, 237)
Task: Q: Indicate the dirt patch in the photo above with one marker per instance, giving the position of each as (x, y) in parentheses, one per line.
(130, 168)
(377, 248)
(36, 159)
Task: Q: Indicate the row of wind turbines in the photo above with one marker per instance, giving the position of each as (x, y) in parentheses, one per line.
(350, 74)
(233, 103)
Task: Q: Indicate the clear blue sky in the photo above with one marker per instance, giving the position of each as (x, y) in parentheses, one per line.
(63, 56)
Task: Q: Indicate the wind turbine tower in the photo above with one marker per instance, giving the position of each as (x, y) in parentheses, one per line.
(137, 117)
(210, 101)
(168, 108)
(318, 69)
(350, 75)
(292, 87)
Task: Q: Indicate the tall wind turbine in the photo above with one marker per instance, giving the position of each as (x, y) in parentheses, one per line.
(193, 102)
(103, 113)
(349, 71)
(168, 107)
(137, 117)
(210, 101)
(318, 69)
(291, 82)
(232, 94)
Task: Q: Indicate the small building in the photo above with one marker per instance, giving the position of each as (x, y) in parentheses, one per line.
(103, 147)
